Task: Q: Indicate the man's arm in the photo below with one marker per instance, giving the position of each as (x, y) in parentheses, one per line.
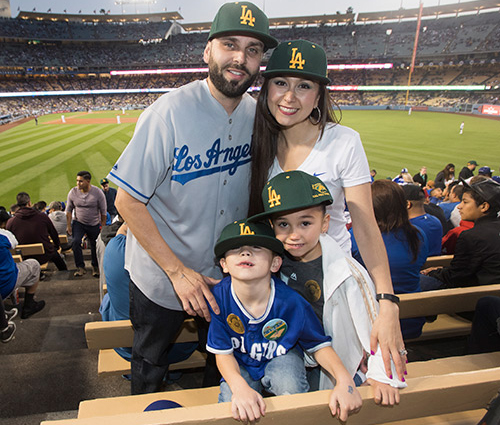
(191, 287)
(386, 329)
(68, 223)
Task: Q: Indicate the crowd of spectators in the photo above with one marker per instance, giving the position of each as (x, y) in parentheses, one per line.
(466, 74)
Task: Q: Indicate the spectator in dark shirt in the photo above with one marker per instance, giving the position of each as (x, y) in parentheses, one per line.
(421, 177)
(110, 194)
(477, 252)
(31, 226)
(468, 171)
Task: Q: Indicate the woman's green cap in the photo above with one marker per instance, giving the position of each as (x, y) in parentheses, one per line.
(292, 190)
(242, 18)
(241, 233)
(298, 58)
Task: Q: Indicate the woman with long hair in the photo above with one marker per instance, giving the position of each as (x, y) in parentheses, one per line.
(445, 176)
(295, 128)
(405, 244)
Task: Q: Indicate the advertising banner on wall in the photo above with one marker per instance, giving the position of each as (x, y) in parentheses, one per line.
(491, 110)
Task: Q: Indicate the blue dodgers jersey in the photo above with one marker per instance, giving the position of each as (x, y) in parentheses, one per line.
(289, 322)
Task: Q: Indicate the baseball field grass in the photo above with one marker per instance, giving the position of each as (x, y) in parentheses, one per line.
(43, 159)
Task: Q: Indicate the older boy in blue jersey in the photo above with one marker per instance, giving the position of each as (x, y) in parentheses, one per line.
(264, 326)
(338, 288)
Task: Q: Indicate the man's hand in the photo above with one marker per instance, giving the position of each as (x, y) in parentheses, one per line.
(386, 332)
(193, 290)
(68, 230)
(429, 269)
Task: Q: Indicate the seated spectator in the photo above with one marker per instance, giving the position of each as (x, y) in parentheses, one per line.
(58, 218)
(403, 177)
(406, 245)
(421, 177)
(477, 252)
(13, 209)
(115, 305)
(445, 176)
(468, 171)
(7, 327)
(436, 196)
(40, 206)
(453, 199)
(429, 224)
(486, 172)
(14, 275)
(110, 194)
(31, 226)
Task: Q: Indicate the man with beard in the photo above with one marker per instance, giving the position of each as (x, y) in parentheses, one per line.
(182, 178)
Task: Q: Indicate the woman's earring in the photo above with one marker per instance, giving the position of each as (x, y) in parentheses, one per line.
(319, 116)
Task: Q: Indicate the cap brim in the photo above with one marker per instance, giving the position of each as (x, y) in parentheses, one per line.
(269, 41)
(264, 241)
(309, 76)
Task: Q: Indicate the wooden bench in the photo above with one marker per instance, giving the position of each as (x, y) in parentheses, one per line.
(425, 396)
(105, 336)
(29, 249)
(438, 261)
(445, 303)
(195, 397)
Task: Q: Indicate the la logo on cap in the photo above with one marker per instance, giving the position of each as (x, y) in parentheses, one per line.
(296, 62)
(246, 17)
(245, 230)
(274, 198)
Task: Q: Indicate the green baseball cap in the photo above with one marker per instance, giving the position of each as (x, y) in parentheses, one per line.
(240, 233)
(104, 180)
(242, 18)
(292, 190)
(298, 58)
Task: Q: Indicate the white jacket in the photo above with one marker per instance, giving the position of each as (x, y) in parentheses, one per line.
(349, 310)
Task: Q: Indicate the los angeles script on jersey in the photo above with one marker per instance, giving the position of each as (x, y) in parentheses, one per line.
(259, 350)
(188, 166)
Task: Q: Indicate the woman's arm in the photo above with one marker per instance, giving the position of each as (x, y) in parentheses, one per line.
(386, 329)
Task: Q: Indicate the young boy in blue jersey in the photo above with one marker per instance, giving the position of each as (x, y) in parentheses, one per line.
(338, 288)
(263, 327)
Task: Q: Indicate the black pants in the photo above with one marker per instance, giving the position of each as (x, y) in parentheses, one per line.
(484, 337)
(155, 328)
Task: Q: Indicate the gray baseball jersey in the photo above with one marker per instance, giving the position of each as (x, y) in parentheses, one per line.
(189, 162)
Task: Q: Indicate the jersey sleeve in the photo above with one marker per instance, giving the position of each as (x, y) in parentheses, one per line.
(147, 159)
(312, 337)
(355, 169)
(218, 340)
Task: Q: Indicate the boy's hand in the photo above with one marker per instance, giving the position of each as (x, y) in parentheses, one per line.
(247, 405)
(345, 400)
(384, 394)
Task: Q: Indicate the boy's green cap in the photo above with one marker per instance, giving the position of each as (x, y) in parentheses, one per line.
(240, 233)
(298, 58)
(243, 18)
(292, 190)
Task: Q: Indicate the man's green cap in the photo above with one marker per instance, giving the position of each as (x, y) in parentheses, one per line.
(292, 190)
(298, 58)
(472, 163)
(104, 180)
(242, 18)
(241, 233)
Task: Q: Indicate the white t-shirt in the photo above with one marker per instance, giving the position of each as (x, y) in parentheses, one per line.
(189, 162)
(339, 160)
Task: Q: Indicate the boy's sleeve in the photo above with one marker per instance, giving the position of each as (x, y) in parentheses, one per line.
(219, 339)
(312, 337)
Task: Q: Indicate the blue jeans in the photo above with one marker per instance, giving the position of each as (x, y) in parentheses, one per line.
(284, 375)
(92, 232)
(429, 283)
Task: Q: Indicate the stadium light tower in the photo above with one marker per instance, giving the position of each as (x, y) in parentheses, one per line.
(136, 2)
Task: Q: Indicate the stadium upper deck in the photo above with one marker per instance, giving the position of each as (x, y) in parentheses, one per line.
(42, 41)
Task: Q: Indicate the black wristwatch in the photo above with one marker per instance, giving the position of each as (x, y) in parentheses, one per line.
(390, 297)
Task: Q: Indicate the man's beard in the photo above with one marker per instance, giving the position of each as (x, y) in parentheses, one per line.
(229, 89)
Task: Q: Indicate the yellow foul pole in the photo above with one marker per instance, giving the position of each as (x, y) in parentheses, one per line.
(414, 50)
